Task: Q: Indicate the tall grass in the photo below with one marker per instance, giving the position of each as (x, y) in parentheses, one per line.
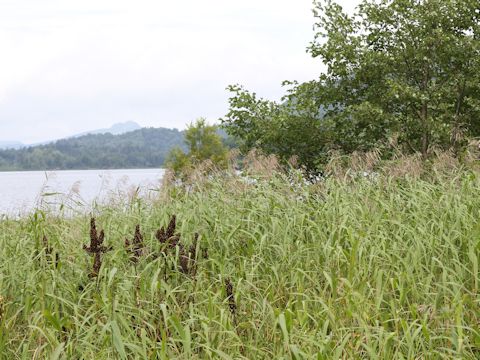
(377, 268)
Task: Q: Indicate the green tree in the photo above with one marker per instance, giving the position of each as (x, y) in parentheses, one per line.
(294, 127)
(178, 161)
(203, 143)
(406, 68)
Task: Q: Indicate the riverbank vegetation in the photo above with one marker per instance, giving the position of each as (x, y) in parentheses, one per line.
(355, 236)
(381, 264)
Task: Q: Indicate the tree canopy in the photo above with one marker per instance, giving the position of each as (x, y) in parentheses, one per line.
(203, 143)
(404, 69)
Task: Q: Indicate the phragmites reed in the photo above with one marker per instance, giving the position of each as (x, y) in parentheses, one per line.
(136, 246)
(48, 249)
(260, 165)
(188, 261)
(49, 252)
(96, 248)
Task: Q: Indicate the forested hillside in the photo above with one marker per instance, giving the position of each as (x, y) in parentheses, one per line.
(142, 148)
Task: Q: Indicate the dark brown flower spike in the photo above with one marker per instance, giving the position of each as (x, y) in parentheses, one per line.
(136, 247)
(168, 236)
(171, 226)
(183, 259)
(170, 240)
(96, 248)
(192, 256)
(231, 299)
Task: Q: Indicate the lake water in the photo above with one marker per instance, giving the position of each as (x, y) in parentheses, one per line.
(21, 192)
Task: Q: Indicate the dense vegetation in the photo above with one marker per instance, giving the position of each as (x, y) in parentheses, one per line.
(400, 74)
(377, 258)
(144, 148)
(381, 267)
(204, 143)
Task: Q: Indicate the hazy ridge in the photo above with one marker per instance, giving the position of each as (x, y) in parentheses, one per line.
(142, 148)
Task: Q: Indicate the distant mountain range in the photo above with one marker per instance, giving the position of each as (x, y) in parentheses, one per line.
(11, 145)
(115, 129)
(124, 145)
(142, 148)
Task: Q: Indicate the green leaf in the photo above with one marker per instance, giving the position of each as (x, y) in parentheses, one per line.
(117, 340)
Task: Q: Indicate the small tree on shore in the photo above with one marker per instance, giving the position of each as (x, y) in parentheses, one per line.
(203, 144)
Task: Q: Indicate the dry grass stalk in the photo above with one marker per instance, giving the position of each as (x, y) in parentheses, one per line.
(472, 154)
(96, 248)
(336, 166)
(202, 172)
(344, 166)
(445, 162)
(293, 162)
(233, 160)
(258, 164)
(165, 186)
(2, 311)
(405, 166)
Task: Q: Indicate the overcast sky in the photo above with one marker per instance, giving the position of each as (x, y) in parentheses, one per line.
(77, 65)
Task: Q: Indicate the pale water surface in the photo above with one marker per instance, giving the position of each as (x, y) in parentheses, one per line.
(76, 190)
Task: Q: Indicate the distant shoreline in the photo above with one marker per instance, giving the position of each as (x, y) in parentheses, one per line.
(83, 169)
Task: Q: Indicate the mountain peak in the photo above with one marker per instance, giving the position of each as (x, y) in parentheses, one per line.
(115, 129)
(121, 128)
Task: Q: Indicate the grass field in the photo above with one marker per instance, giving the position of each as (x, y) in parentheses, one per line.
(364, 269)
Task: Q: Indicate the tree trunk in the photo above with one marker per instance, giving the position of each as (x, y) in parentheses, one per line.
(456, 135)
(426, 131)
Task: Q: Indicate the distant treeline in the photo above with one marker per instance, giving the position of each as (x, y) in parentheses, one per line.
(144, 148)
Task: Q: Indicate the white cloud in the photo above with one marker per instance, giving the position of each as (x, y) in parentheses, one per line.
(69, 66)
